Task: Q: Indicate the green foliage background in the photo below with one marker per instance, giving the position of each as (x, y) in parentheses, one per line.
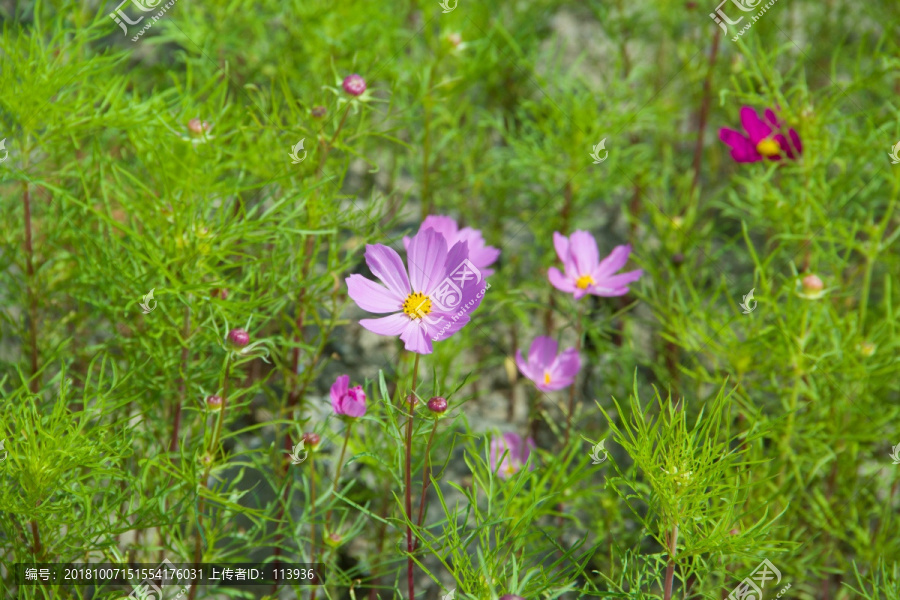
(784, 417)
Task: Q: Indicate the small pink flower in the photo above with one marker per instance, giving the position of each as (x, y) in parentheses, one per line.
(545, 368)
(763, 140)
(585, 273)
(198, 127)
(354, 85)
(346, 400)
(239, 337)
(480, 254)
(517, 453)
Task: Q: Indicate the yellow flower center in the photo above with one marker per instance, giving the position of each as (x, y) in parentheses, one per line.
(584, 282)
(768, 147)
(546, 377)
(417, 305)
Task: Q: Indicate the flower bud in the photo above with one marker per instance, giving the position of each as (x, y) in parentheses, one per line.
(198, 127)
(239, 337)
(219, 293)
(412, 400)
(334, 540)
(437, 404)
(812, 284)
(354, 85)
(214, 402)
(511, 597)
(677, 259)
(455, 39)
(866, 348)
(311, 438)
(318, 112)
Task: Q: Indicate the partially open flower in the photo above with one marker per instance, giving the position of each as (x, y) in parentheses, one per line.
(514, 452)
(354, 85)
(239, 337)
(346, 400)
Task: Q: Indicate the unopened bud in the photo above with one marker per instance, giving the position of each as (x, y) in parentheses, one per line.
(214, 402)
(437, 404)
(239, 337)
(312, 439)
(318, 112)
(812, 284)
(198, 127)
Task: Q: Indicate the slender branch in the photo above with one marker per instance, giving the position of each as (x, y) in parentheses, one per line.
(34, 382)
(704, 110)
(337, 475)
(182, 387)
(425, 479)
(670, 568)
(578, 329)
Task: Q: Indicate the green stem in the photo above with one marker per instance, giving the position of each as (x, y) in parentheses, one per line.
(337, 475)
(410, 546)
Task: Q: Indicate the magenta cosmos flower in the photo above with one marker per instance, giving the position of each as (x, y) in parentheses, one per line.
(763, 140)
(482, 256)
(432, 302)
(545, 368)
(585, 273)
(517, 453)
(346, 400)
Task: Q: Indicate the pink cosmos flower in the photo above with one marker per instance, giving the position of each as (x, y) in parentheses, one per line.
(346, 400)
(545, 368)
(517, 454)
(433, 302)
(481, 255)
(763, 140)
(585, 273)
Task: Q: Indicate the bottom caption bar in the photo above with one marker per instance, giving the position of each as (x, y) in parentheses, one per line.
(148, 581)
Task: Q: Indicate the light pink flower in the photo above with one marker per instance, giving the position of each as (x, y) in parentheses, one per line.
(584, 272)
(549, 371)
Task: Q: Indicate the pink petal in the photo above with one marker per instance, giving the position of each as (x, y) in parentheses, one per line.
(560, 281)
(620, 280)
(612, 263)
(542, 352)
(563, 251)
(371, 296)
(427, 253)
(525, 368)
(583, 248)
(567, 365)
(754, 126)
(446, 226)
(415, 338)
(352, 408)
(795, 137)
(392, 325)
(387, 266)
(772, 119)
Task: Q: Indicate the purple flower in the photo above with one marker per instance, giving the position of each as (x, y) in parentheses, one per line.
(763, 140)
(517, 454)
(433, 301)
(481, 255)
(354, 85)
(548, 371)
(585, 273)
(346, 400)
